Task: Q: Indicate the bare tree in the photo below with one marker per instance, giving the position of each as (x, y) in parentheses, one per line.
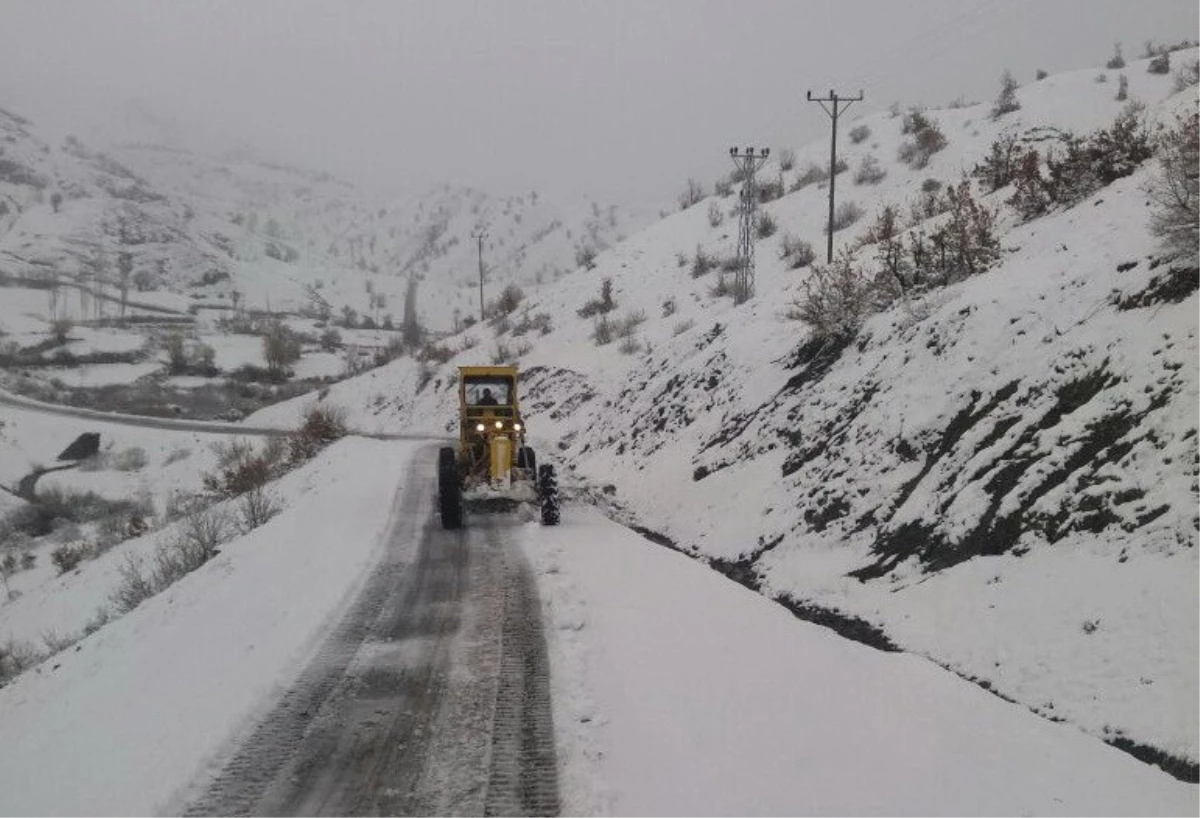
(1173, 191)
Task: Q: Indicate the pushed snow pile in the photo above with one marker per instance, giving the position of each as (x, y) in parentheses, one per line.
(998, 472)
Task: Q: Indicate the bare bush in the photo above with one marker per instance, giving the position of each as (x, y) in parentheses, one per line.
(859, 134)
(510, 298)
(870, 172)
(628, 323)
(811, 175)
(15, 657)
(765, 226)
(847, 213)
(599, 306)
(1122, 88)
(1186, 76)
(1116, 61)
(796, 252)
(702, 263)
(837, 299)
(1173, 190)
(602, 331)
(281, 347)
(585, 256)
(787, 159)
(1160, 64)
(540, 323)
(723, 188)
(927, 139)
(692, 194)
(256, 507)
(682, 326)
(629, 346)
(320, 425)
(715, 215)
(1006, 101)
(134, 587)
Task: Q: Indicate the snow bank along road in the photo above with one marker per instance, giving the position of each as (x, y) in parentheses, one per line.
(431, 697)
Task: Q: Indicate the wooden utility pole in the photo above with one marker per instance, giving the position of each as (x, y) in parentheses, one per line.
(479, 238)
(835, 99)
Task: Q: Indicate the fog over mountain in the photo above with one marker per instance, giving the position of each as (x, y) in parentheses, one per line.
(621, 100)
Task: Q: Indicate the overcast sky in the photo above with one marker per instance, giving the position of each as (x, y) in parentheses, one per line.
(623, 100)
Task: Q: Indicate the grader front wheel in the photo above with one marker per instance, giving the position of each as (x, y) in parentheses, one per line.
(548, 494)
(449, 489)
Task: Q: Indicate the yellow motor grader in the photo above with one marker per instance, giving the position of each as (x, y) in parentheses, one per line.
(492, 468)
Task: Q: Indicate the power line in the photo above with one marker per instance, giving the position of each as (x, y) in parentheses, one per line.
(747, 164)
(833, 115)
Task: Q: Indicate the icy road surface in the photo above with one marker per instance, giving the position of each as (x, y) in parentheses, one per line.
(431, 697)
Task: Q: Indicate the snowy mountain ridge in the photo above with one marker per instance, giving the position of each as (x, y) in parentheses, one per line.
(999, 474)
(238, 228)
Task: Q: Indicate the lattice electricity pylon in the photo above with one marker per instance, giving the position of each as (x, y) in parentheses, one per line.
(747, 163)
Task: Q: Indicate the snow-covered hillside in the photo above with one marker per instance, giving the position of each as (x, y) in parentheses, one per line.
(1000, 475)
(279, 237)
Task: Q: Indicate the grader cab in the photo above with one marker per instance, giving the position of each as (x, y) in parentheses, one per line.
(491, 468)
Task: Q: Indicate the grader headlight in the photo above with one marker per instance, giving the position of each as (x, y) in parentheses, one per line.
(516, 427)
(499, 424)
(479, 427)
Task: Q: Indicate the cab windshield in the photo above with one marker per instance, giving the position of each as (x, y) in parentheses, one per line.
(488, 391)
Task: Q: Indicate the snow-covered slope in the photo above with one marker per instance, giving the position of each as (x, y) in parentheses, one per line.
(275, 235)
(999, 475)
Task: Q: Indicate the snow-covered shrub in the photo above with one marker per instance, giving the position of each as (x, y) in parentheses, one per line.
(998, 168)
(1173, 191)
(256, 507)
(846, 214)
(320, 425)
(1122, 88)
(859, 134)
(715, 215)
(723, 187)
(796, 252)
(683, 326)
(787, 159)
(1160, 64)
(585, 256)
(1186, 76)
(539, 322)
(1078, 167)
(602, 330)
(67, 557)
(837, 298)
(601, 305)
(927, 139)
(770, 191)
(692, 194)
(962, 245)
(765, 226)
(1007, 101)
(870, 172)
(1116, 61)
(702, 262)
(812, 174)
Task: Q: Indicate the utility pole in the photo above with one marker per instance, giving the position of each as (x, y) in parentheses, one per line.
(835, 99)
(479, 238)
(747, 164)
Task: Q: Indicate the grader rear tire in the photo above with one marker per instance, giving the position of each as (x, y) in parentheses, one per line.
(548, 493)
(449, 489)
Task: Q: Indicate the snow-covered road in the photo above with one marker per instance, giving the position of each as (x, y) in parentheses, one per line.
(675, 691)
